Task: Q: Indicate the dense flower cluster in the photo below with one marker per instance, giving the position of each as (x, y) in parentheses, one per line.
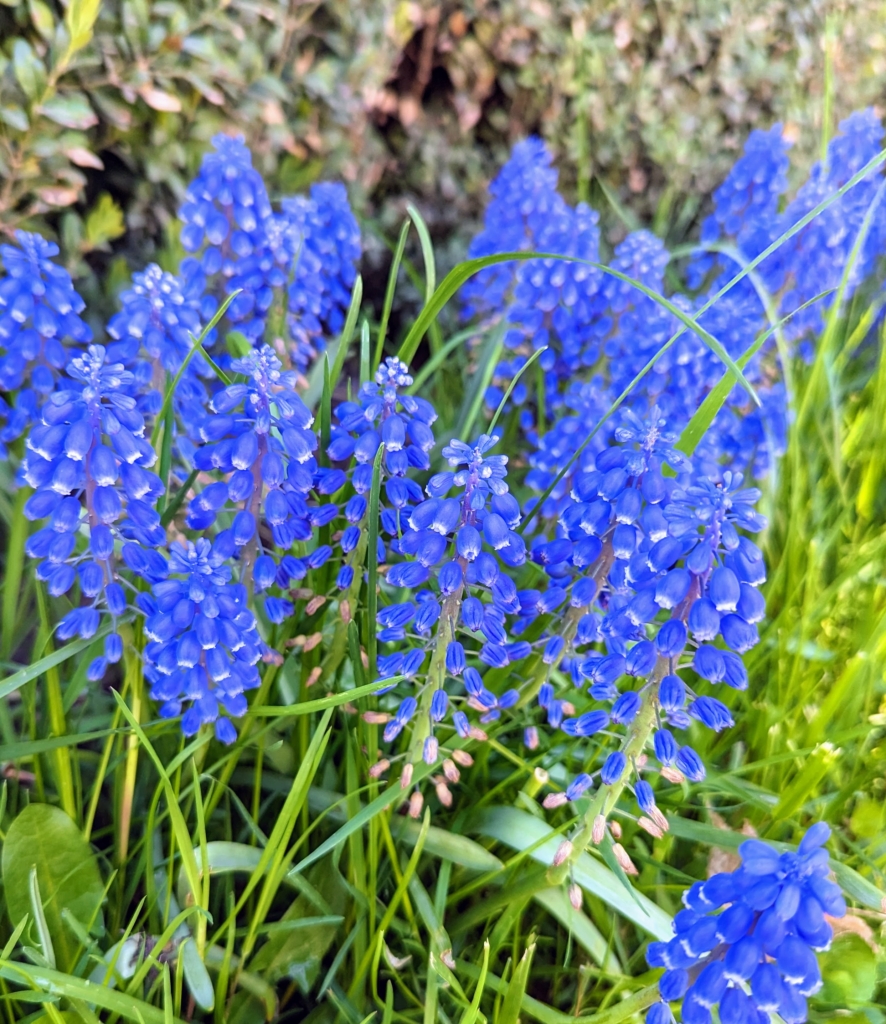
(89, 462)
(593, 320)
(39, 319)
(384, 416)
(299, 262)
(653, 571)
(258, 439)
(204, 645)
(457, 553)
(249, 448)
(746, 942)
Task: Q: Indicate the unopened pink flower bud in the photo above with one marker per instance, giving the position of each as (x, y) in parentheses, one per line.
(564, 852)
(380, 768)
(575, 895)
(406, 776)
(621, 855)
(553, 800)
(649, 826)
(416, 800)
(599, 829)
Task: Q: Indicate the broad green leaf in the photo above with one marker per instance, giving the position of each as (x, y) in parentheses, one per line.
(70, 111)
(42, 18)
(298, 954)
(67, 876)
(79, 21)
(15, 117)
(29, 69)
(520, 831)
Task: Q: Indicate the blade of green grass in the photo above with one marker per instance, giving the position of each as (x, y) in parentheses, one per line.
(66, 986)
(179, 826)
(389, 296)
(196, 346)
(25, 675)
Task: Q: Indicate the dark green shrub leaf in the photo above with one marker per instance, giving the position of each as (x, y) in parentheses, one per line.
(15, 117)
(29, 70)
(72, 111)
(44, 838)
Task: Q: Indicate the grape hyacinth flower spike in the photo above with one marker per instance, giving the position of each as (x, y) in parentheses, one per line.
(224, 217)
(39, 317)
(89, 460)
(204, 645)
(457, 553)
(260, 439)
(746, 941)
(655, 572)
(384, 416)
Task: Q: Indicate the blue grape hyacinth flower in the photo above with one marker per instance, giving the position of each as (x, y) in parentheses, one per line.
(203, 642)
(745, 945)
(89, 463)
(383, 416)
(652, 595)
(260, 440)
(456, 556)
(39, 314)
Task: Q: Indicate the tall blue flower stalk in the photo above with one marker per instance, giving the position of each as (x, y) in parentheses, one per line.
(89, 463)
(652, 597)
(457, 552)
(293, 270)
(203, 642)
(260, 442)
(746, 941)
(39, 321)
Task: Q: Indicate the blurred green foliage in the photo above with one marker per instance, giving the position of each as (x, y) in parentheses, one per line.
(644, 104)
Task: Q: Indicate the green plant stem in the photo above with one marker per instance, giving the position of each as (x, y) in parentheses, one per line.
(61, 757)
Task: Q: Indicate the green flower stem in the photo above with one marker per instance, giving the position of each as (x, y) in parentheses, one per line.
(437, 671)
(338, 648)
(607, 797)
(573, 616)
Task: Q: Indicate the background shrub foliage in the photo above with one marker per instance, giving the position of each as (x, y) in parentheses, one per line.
(646, 104)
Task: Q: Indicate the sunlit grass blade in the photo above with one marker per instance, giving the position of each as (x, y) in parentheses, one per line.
(389, 296)
(697, 427)
(196, 346)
